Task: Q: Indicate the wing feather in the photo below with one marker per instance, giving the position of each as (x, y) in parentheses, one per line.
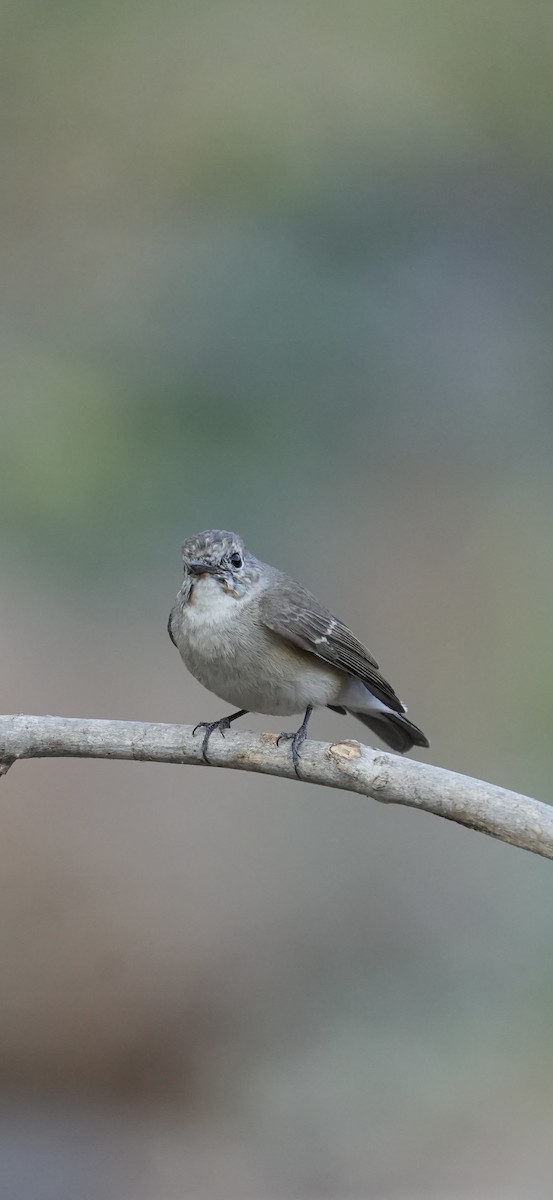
(295, 614)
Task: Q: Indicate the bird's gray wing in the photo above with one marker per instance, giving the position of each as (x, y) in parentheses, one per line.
(293, 613)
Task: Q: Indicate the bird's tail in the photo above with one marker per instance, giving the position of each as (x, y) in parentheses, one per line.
(393, 728)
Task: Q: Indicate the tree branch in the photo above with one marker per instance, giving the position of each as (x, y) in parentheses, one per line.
(349, 765)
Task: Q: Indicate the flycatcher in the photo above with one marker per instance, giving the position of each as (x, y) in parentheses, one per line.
(258, 639)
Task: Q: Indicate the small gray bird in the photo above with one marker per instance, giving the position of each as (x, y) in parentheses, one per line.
(256, 638)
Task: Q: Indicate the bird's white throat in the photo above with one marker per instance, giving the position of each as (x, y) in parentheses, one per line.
(209, 602)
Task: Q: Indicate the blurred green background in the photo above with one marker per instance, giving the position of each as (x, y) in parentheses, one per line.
(284, 268)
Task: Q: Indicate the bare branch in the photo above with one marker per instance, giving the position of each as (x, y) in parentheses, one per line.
(349, 765)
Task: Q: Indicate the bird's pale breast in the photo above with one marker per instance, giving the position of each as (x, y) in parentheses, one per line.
(226, 647)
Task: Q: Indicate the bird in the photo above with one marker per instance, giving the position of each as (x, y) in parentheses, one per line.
(261, 641)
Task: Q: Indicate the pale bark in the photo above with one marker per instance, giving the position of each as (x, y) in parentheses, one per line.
(346, 764)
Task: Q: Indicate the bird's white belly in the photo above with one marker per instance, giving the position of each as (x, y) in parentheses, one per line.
(247, 685)
(247, 665)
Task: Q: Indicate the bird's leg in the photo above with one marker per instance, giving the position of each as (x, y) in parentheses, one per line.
(297, 738)
(211, 726)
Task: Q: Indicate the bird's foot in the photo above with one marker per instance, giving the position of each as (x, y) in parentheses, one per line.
(297, 737)
(211, 726)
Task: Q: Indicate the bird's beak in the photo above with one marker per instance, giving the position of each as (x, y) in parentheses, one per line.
(197, 567)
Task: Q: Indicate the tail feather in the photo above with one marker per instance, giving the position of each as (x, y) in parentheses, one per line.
(394, 729)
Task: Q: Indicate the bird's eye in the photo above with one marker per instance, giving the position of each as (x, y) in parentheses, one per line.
(236, 559)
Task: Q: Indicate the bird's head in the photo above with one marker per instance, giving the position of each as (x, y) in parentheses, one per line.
(221, 558)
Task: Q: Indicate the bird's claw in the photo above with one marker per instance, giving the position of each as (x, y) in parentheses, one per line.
(297, 737)
(210, 727)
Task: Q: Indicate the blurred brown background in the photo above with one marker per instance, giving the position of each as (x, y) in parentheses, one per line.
(284, 268)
